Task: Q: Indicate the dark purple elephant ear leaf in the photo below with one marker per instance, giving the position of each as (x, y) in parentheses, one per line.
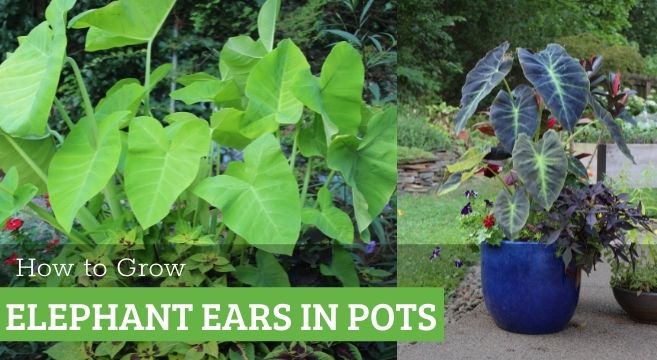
(513, 114)
(614, 129)
(560, 80)
(511, 212)
(481, 80)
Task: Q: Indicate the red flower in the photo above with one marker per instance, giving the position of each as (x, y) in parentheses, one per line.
(46, 198)
(52, 244)
(13, 224)
(12, 260)
(489, 221)
(552, 122)
(491, 170)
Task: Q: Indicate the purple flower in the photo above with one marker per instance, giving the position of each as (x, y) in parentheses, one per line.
(467, 209)
(458, 263)
(471, 194)
(489, 204)
(435, 253)
(369, 249)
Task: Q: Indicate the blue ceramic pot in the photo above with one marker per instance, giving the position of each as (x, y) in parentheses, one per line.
(526, 288)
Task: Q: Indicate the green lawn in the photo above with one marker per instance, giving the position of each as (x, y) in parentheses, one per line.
(426, 221)
(431, 219)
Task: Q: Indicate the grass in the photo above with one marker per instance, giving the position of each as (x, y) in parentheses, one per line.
(431, 219)
(426, 221)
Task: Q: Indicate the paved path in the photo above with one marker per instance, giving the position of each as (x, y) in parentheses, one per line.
(599, 330)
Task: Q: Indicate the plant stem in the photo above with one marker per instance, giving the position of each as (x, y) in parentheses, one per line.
(64, 114)
(88, 108)
(293, 155)
(37, 170)
(506, 84)
(147, 80)
(47, 217)
(306, 181)
(112, 198)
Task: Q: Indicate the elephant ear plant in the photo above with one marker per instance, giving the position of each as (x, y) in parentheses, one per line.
(536, 159)
(121, 176)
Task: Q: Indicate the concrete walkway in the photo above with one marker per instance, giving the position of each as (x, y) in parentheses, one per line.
(599, 330)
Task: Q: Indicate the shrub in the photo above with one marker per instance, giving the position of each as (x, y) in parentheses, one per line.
(405, 153)
(618, 57)
(415, 132)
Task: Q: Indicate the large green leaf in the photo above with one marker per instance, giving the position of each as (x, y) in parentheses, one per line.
(202, 87)
(267, 273)
(30, 157)
(311, 138)
(227, 128)
(238, 56)
(29, 76)
(269, 86)
(337, 94)
(267, 22)
(481, 80)
(329, 219)
(265, 188)
(541, 166)
(513, 114)
(13, 197)
(560, 80)
(511, 212)
(342, 266)
(126, 94)
(123, 22)
(161, 164)
(368, 165)
(83, 166)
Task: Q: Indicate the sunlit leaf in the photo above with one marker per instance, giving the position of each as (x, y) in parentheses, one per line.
(83, 166)
(329, 219)
(264, 187)
(13, 197)
(541, 166)
(26, 155)
(481, 80)
(368, 165)
(269, 85)
(29, 77)
(267, 18)
(560, 80)
(267, 273)
(123, 22)
(238, 56)
(342, 266)
(513, 114)
(161, 164)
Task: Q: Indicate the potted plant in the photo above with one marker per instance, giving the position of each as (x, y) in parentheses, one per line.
(526, 287)
(635, 288)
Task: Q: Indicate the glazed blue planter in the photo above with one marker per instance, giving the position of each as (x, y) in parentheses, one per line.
(526, 288)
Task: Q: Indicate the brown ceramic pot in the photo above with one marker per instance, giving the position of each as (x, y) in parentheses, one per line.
(642, 308)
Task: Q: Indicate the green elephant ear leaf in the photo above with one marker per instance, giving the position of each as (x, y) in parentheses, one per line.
(269, 86)
(126, 94)
(268, 273)
(202, 87)
(511, 212)
(30, 157)
(238, 56)
(368, 165)
(614, 129)
(267, 18)
(161, 164)
(481, 80)
(542, 166)
(13, 197)
(513, 114)
(329, 219)
(29, 76)
(311, 138)
(122, 23)
(264, 187)
(83, 166)
(337, 94)
(342, 267)
(560, 80)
